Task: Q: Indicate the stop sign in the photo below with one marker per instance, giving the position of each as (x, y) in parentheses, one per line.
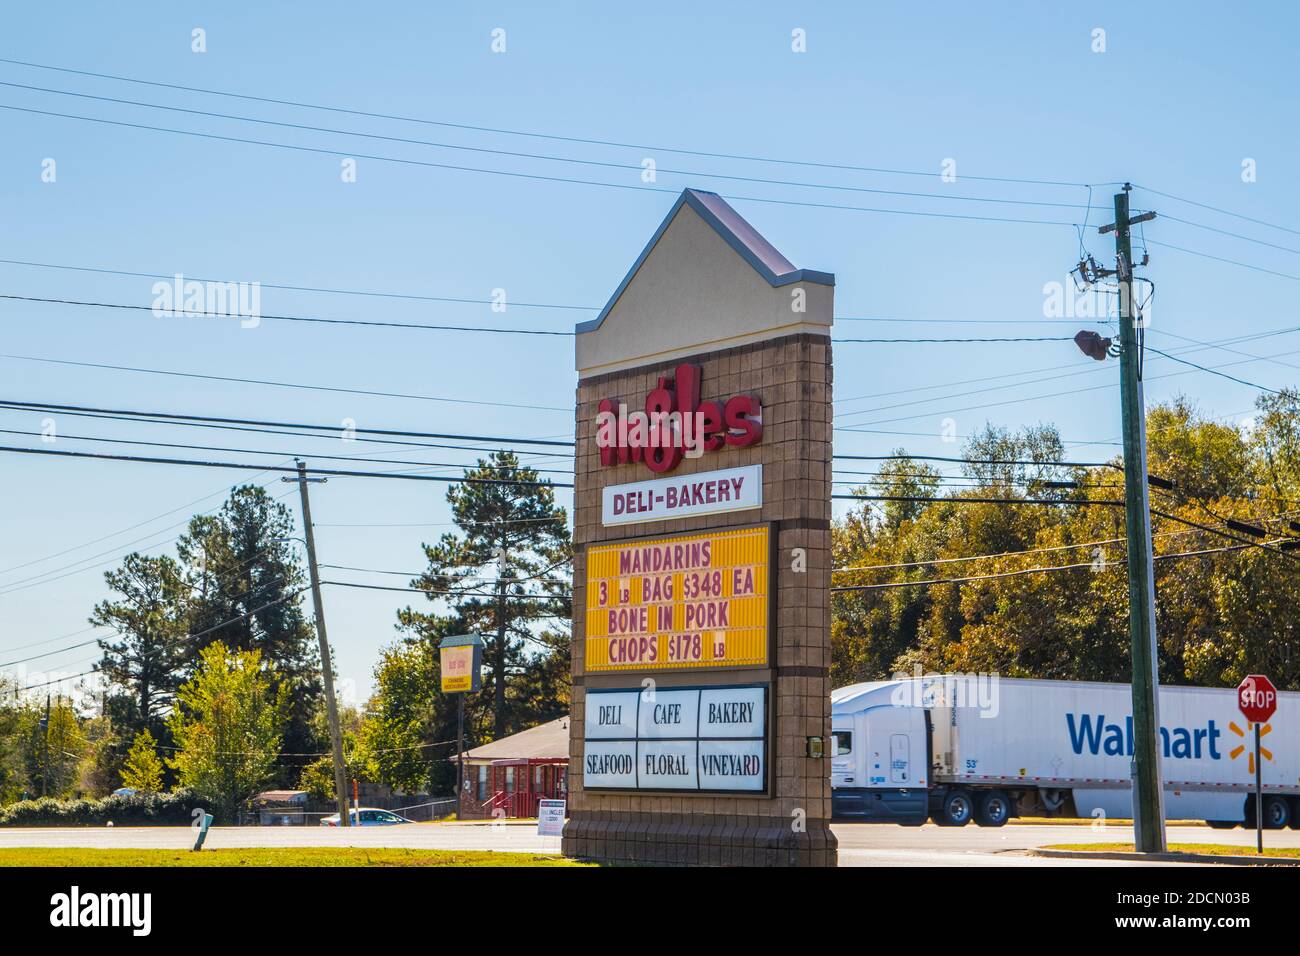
(1257, 698)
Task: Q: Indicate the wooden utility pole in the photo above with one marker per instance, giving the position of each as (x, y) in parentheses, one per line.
(1148, 793)
(45, 774)
(327, 667)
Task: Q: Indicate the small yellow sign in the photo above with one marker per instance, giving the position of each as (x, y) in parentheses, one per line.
(687, 601)
(457, 669)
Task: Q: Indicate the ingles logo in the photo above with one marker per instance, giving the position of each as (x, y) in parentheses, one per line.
(675, 424)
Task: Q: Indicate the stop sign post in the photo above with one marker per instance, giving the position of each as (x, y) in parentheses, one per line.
(1257, 701)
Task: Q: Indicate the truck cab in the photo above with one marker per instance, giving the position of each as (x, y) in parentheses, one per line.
(880, 760)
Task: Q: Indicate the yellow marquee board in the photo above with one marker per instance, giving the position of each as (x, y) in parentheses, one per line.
(683, 602)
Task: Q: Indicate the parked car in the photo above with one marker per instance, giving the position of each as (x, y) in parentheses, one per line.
(367, 817)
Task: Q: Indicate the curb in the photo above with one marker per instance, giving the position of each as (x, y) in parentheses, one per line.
(1130, 856)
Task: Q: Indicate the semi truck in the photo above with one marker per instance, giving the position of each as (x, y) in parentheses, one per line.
(960, 748)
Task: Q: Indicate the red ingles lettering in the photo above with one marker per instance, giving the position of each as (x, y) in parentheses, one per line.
(676, 424)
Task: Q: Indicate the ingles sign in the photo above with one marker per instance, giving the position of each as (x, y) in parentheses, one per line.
(689, 601)
(676, 424)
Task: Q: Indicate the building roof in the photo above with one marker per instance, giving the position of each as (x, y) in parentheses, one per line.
(281, 796)
(548, 741)
(736, 231)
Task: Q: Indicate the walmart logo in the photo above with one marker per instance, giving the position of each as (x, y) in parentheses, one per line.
(1094, 735)
(1238, 750)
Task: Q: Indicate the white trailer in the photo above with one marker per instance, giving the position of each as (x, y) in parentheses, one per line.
(953, 748)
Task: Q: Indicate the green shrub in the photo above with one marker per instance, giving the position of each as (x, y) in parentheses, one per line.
(142, 809)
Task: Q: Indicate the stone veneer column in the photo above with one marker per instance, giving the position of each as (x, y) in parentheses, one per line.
(791, 375)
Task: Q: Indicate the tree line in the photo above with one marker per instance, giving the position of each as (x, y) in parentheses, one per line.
(214, 683)
(1221, 614)
(213, 679)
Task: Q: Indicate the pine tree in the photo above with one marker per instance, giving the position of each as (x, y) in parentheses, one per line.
(146, 656)
(246, 583)
(506, 575)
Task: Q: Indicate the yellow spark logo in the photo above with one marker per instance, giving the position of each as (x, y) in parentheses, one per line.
(1238, 750)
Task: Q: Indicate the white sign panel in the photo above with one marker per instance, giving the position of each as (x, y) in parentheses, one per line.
(704, 739)
(550, 817)
(612, 716)
(706, 493)
(731, 764)
(666, 765)
(732, 712)
(609, 764)
(668, 714)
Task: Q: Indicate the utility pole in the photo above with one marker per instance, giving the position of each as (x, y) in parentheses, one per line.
(499, 691)
(45, 775)
(327, 667)
(1148, 794)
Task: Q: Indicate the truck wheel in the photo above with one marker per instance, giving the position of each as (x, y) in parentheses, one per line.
(992, 809)
(1295, 813)
(1220, 824)
(956, 809)
(1277, 813)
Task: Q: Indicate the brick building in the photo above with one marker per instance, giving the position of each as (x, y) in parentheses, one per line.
(506, 778)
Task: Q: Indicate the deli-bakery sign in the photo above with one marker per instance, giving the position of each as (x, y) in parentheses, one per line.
(699, 739)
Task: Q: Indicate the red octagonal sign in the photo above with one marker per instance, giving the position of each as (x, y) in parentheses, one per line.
(1257, 698)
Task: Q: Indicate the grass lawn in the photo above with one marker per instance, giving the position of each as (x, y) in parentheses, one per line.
(1216, 849)
(272, 856)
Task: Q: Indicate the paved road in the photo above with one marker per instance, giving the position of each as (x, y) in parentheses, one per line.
(860, 844)
(866, 844)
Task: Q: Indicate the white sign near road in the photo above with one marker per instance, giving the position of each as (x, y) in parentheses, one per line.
(550, 817)
(706, 493)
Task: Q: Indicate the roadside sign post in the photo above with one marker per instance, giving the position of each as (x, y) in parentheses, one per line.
(1257, 700)
(550, 817)
(460, 669)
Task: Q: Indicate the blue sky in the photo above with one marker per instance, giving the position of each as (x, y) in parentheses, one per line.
(1180, 97)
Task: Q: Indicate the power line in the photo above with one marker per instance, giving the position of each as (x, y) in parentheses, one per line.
(1030, 398)
(542, 156)
(279, 454)
(1000, 554)
(332, 429)
(283, 287)
(253, 467)
(188, 637)
(199, 313)
(85, 564)
(1020, 571)
(911, 341)
(59, 554)
(349, 154)
(488, 594)
(1233, 235)
(1226, 212)
(277, 384)
(534, 135)
(1231, 262)
(1212, 371)
(118, 635)
(918, 499)
(1062, 502)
